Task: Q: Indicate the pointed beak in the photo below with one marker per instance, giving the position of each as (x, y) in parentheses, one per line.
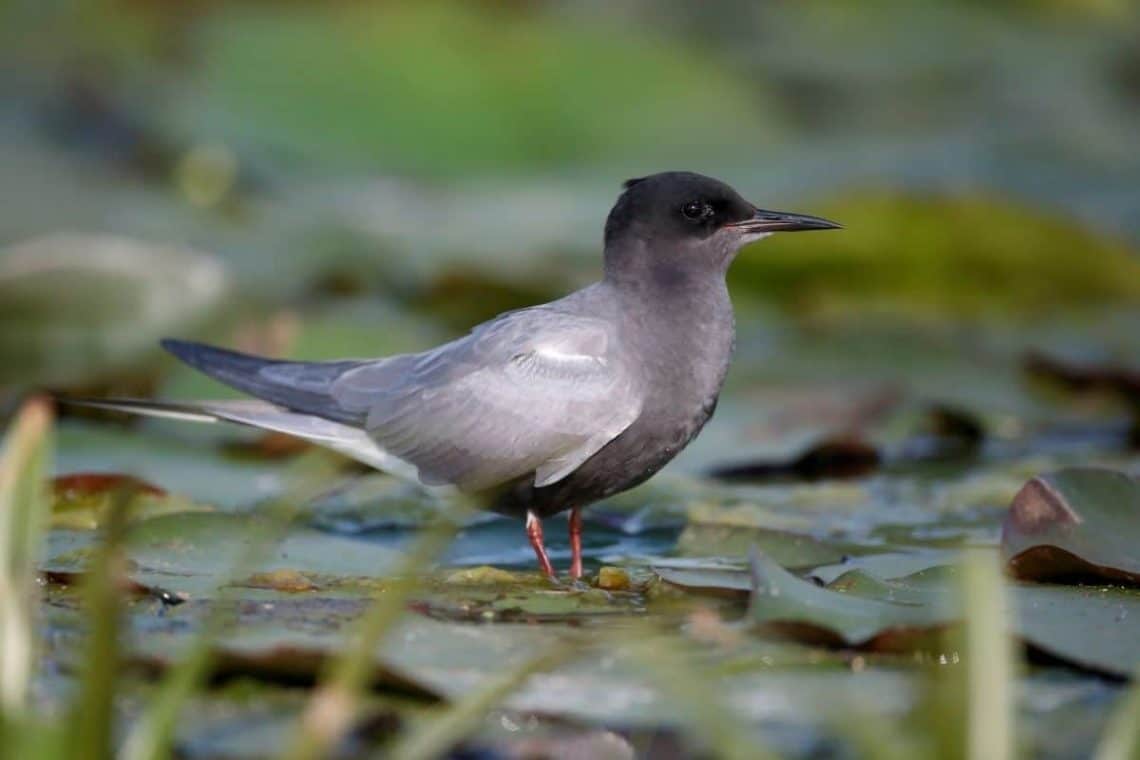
(781, 221)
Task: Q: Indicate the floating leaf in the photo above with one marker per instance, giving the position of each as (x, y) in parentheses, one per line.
(81, 500)
(1090, 627)
(722, 536)
(1083, 378)
(708, 576)
(1072, 523)
(194, 551)
(75, 309)
(836, 457)
(791, 606)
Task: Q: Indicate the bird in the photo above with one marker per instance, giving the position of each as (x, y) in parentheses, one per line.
(544, 409)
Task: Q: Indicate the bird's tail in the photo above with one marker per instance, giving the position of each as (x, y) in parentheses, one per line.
(346, 439)
(297, 386)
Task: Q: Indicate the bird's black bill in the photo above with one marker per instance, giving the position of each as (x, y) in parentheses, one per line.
(781, 221)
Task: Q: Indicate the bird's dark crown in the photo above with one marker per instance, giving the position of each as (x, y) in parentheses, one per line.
(674, 205)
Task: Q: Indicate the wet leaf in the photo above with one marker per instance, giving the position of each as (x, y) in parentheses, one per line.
(794, 607)
(80, 501)
(1086, 377)
(271, 445)
(482, 575)
(187, 465)
(725, 537)
(1089, 627)
(69, 579)
(378, 502)
(707, 576)
(1074, 523)
(289, 581)
(839, 457)
(194, 551)
(945, 432)
(614, 579)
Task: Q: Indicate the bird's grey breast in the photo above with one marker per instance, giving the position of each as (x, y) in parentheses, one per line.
(682, 348)
(686, 350)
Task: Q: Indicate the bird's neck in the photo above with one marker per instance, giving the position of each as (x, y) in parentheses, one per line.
(669, 289)
(679, 319)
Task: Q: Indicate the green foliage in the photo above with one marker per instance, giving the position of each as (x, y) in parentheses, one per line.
(961, 256)
(450, 87)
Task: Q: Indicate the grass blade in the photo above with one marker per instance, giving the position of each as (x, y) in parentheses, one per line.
(23, 520)
(989, 659)
(434, 735)
(708, 717)
(152, 735)
(333, 706)
(92, 719)
(1121, 739)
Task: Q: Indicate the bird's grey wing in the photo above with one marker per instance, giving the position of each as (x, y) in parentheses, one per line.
(535, 391)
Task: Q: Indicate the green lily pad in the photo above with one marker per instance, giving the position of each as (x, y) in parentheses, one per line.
(198, 551)
(1078, 522)
(802, 610)
(76, 309)
(1087, 626)
(888, 565)
(180, 459)
(708, 576)
(82, 500)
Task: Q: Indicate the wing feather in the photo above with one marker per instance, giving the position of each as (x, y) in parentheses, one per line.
(535, 391)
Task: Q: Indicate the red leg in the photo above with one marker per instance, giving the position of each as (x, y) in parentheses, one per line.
(534, 533)
(575, 543)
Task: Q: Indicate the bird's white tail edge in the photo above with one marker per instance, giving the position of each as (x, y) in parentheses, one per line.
(351, 441)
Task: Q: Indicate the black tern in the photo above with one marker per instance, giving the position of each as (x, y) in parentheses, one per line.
(544, 409)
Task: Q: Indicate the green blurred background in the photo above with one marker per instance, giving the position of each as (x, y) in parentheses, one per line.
(373, 176)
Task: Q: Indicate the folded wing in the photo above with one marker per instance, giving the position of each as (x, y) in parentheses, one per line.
(536, 390)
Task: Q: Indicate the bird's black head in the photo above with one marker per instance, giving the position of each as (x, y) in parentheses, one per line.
(682, 219)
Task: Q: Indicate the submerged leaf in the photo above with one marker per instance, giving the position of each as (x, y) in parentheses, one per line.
(1073, 523)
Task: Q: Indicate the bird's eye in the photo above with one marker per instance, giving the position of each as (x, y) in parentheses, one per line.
(696, 211)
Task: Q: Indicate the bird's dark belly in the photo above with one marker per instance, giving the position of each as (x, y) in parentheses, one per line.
(627, 461)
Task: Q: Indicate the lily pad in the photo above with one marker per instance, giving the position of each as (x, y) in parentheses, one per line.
(198, 551)
(837, 457)
(80, 501)
(1075, 523)
(1090, 627)
(76, 309)
(708, 576)
(797, 608)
